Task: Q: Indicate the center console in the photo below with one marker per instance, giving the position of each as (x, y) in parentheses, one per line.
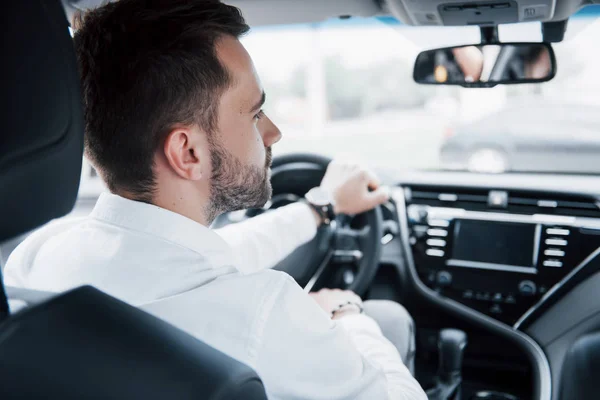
(494, 258)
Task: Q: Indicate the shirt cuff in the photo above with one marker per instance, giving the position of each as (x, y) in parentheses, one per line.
(304, 221)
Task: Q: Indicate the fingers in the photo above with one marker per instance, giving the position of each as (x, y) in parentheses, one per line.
(378, 197)
(370, 178)
(345, 294)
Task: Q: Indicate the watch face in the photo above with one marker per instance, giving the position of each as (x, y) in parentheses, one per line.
(318, 197)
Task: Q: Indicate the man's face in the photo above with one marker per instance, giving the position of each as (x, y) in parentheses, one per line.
(241, 145)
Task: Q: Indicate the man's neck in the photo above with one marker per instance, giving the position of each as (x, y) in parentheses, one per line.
(182, 204)
(186, 207)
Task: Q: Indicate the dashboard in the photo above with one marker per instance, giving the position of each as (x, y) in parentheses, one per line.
(498, 251)
(516, 255)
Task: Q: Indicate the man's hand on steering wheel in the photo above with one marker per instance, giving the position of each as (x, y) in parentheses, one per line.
(354, 189)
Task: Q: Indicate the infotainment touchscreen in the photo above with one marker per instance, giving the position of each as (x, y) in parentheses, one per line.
(504, 243)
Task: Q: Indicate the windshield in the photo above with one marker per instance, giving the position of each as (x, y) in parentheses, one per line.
(345, 88)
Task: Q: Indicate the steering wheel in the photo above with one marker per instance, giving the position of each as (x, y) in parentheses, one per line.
(344, 254)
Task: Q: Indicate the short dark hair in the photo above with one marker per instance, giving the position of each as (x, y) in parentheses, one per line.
(147, 65)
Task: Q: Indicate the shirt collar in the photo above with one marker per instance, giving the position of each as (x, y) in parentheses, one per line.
(165, 224)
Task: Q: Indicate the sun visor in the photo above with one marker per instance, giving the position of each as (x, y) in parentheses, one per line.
(459, 13)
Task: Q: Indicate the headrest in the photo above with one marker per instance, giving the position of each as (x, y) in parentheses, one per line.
(41, 130)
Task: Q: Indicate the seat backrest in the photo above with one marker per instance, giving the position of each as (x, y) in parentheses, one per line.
(580, 370)
(84, 343)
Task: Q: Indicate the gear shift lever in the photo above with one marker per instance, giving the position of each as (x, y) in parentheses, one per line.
(451, 344)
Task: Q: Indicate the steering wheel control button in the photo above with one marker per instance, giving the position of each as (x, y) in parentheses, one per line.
(558, 232)
(347, 256)
(510, 299)
(556, 242)
(553, 263)
(435, 252)
(497, 297)
(436, 242)
(467, 294)
(444, 278)
(527, 288)
(437, 232)
(348, 277)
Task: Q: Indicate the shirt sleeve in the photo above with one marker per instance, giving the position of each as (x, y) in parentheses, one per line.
(303, 354)
(263, 241)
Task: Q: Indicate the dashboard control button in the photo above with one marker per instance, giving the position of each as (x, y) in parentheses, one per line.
(440, 223)
(444, 278)
(431, 277)
(527, 288)
(556, 242)
(496, 309)
(482, 296)
(553, 263)
(435, 252)
(554, 252)
(436, 242)
(558, 232)
(437, 232)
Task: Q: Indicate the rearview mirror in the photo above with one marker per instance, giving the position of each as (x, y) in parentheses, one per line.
(486, 65)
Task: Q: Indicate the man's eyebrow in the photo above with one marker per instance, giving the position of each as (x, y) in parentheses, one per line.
(259, 104)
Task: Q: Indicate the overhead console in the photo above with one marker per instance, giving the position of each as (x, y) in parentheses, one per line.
(457, 13)
(495, 251)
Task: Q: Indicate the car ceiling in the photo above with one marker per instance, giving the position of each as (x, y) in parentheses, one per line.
(268, 12)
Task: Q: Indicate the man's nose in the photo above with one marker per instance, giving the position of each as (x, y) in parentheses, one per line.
(270, 132)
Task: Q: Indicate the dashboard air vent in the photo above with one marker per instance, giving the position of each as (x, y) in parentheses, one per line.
(553, 204)
(471, 199)
(516, 202)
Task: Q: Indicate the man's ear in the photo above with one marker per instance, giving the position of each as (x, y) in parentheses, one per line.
(182, 148)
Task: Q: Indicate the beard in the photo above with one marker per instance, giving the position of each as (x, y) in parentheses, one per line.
(234, 185)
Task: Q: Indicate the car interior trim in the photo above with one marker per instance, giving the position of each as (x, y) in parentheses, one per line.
(576, 276)
(489, 266)
(543, 383)
(536, 243)
(579, 222)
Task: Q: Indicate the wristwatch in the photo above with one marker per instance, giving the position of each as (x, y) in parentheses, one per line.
(320, 200)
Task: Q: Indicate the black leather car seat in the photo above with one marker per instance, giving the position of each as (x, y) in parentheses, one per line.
(82, 344)
(580, 370)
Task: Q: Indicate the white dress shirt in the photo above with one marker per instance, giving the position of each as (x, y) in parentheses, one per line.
(216, 287)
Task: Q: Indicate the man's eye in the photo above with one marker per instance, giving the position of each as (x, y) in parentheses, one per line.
(259, 115)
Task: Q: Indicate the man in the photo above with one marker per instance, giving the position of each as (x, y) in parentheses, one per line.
(174, 127)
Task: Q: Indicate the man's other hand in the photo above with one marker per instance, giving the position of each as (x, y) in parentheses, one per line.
(354, 189)
(337, 300)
